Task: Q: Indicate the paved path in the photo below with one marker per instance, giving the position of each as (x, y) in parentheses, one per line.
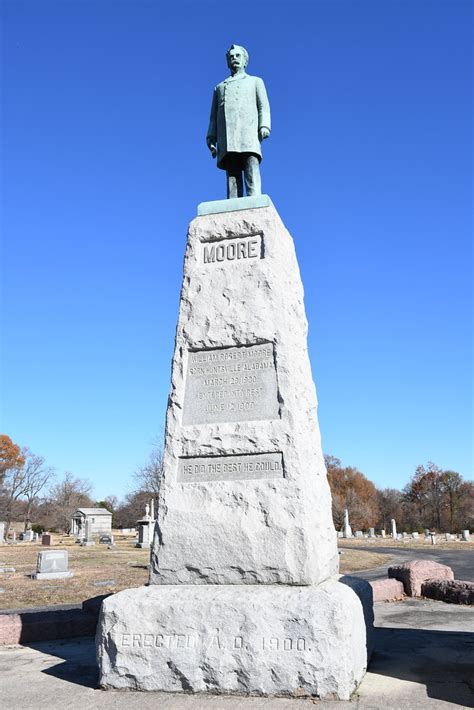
(461, 561)
(424, 659)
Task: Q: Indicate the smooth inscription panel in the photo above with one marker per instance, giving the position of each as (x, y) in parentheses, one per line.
(231, 385)
(230, 468)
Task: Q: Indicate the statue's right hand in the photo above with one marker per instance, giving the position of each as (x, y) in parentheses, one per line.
(211, 144)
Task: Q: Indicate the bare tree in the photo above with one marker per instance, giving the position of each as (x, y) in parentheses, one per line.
(35, 476)
(14, 487)
(68, 495)
(149, 476)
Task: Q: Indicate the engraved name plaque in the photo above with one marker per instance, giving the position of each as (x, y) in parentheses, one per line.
(231, 385)
(230, 468)
(239, 249)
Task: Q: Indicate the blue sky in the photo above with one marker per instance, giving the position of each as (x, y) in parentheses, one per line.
(104, 114)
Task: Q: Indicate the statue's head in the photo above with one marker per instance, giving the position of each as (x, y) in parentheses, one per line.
(237, 58)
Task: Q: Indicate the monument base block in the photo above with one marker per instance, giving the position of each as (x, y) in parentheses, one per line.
(52, 575)
(240, 639)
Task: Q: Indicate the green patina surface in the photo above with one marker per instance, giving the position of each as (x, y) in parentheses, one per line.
(234, 204)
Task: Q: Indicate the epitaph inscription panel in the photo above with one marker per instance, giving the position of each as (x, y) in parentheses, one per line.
(230, 468)
(231, 385)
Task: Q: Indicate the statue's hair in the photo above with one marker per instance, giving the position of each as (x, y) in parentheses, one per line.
(244, 52)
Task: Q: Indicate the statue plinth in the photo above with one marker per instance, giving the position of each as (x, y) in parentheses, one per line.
(244, 593)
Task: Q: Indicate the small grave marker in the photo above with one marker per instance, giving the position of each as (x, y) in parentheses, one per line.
(52, 564)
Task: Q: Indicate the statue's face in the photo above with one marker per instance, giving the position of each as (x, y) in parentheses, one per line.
(236, 59)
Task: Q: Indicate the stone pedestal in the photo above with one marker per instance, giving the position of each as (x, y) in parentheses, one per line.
(245, 507)
(249, 639)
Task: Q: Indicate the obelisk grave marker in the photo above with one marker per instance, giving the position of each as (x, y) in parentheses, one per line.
(244, 595)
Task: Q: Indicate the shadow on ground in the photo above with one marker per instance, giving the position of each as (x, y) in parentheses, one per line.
(79, 666)
(443, 661)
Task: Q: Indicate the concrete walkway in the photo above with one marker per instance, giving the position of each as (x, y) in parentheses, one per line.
(424, 658)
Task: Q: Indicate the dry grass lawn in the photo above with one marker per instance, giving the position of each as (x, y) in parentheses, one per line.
(98, 570)
(419, 544)
(119, 568)
(357, 560)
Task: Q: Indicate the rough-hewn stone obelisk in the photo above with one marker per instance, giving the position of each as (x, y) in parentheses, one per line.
(244, 594)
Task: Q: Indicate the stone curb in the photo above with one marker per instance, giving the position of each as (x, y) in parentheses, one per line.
(385, 590)
(29, 626)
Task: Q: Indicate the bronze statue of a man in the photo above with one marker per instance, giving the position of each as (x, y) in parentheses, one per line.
(239, 122)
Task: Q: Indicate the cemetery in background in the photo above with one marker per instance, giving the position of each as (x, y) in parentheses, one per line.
(31, 492)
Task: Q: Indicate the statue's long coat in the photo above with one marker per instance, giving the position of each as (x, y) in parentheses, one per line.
(239, 109)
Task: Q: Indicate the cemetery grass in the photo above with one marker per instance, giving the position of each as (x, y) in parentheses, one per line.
(121, 567)
(419, 545)
(351, 560)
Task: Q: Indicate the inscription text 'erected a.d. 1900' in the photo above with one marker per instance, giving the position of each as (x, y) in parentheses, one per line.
(230, 468)
(231, 385)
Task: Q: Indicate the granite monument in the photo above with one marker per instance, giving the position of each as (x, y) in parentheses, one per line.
(244, 594)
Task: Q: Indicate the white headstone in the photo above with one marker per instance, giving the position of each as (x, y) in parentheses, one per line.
(347, 528)
(371, 532)
(466, 536)
(394, 530)
(2, 533)
(244, 555)
(382, 532)
(52, 564)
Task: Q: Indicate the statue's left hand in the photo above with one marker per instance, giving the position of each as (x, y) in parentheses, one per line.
(263, 133)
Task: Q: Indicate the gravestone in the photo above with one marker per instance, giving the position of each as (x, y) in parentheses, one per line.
(52, 564)
(394, 530)
(415, 535)
(382, 532)
(371, 532)
(243, 593)
(87, 541)
(466, 536)
(2, 533)
(359, 534)
(28, 536)
(106, 540)
(46, 539)
(145, 527)
(347, 530)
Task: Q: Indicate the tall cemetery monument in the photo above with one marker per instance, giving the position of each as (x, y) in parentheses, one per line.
(244, 594)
